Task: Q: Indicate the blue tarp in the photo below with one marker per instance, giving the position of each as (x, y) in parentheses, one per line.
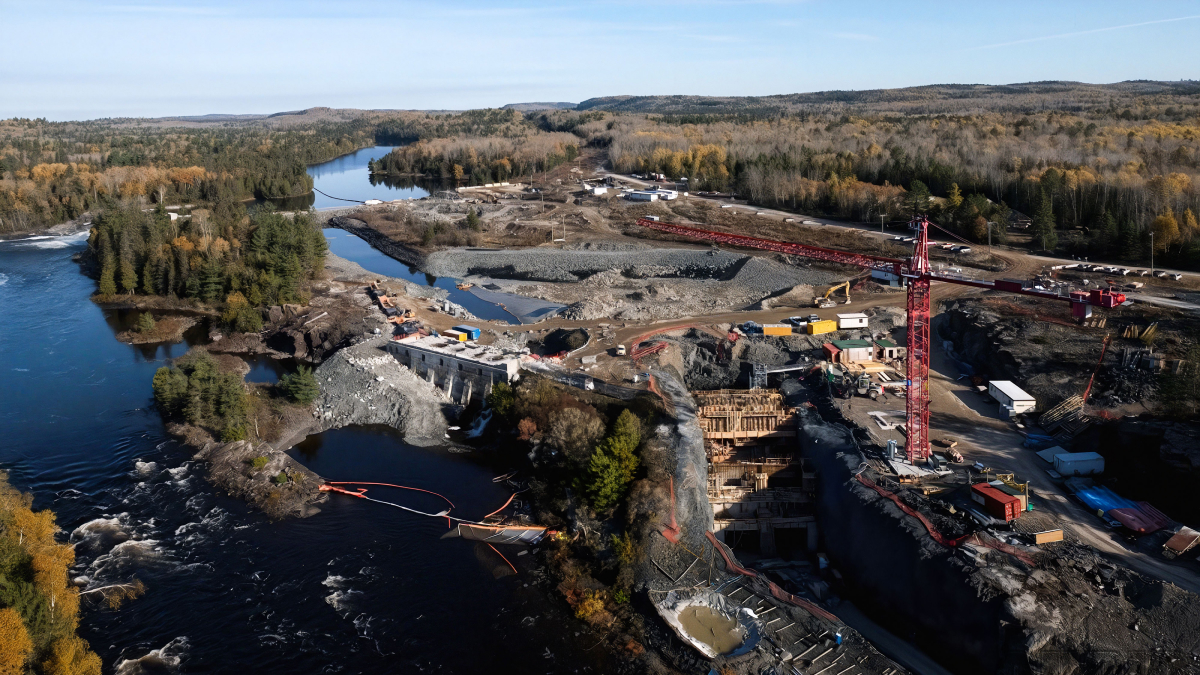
(1103, 499)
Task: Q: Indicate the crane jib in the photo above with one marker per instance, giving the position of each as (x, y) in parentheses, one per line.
(918, 272)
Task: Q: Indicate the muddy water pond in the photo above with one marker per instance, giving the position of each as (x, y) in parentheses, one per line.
(713, 628)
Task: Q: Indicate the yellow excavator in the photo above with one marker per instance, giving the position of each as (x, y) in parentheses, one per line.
(825, 301)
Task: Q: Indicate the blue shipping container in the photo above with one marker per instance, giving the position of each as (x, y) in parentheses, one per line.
(471, 331)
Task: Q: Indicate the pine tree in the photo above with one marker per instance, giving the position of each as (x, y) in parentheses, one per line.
(128, 276)
(1043, 224)
(145, 323)
(300, 386)
(473, 219)
(149, 286)
(108, 283)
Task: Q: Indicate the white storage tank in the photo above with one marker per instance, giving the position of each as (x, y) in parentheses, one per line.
(1079, 464)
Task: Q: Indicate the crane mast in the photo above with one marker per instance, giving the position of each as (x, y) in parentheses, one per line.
(919, 275)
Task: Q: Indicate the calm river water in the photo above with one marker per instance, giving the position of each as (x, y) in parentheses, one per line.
(358, 588)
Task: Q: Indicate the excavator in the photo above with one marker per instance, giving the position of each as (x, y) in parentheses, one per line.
(826, 302)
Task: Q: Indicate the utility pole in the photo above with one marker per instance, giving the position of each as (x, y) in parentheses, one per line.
(881, 217)
(1151, 253)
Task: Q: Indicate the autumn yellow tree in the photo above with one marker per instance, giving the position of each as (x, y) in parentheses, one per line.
(15, 645)
(1166, 231)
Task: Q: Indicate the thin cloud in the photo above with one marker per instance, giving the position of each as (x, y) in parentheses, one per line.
(1086, 32)
(858, 37)
(161, 9)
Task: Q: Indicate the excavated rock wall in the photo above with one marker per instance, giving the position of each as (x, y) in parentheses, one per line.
(979, 611)
(895, 572)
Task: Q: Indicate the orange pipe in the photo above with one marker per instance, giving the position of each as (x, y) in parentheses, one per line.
(514, 569)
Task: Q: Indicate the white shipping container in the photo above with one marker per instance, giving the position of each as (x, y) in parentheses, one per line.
(1079, 464)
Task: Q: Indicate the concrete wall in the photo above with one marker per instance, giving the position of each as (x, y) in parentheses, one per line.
(893, 570)
(463, 381)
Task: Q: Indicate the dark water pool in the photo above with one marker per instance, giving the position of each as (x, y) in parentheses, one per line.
(358, 588)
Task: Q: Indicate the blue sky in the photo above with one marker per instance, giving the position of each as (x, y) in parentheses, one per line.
(79, 60)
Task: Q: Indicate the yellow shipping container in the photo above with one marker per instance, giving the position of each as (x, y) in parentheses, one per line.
(777, 329)
(455, 335)
(823, 326)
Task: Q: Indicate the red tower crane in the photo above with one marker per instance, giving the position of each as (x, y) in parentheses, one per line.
(919, 275)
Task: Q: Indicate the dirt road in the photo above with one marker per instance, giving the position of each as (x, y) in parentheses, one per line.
(959, 411)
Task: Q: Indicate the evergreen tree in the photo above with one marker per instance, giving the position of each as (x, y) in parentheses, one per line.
(473, 219)
(145, 323)
(108, 283)
(1043, 229)
(149, 286)
(128, 276)
(916, 201)
(300, 386)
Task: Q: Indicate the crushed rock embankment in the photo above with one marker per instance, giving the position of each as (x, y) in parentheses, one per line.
(634, 283)
(363, 384)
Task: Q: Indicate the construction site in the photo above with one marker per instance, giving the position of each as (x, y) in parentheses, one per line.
(936, 442)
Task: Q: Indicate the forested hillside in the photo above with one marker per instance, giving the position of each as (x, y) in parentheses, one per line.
(1097, 171)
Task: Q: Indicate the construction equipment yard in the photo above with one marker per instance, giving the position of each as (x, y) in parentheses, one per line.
(849, 386)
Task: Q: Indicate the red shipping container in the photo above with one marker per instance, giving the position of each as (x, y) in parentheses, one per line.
(1000, 505)
(1008, 285)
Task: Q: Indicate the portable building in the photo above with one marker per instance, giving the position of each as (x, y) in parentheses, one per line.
(821, 327)
(855, 320)
(1079, 464)
(886, 349)
(854, 350)
(999, 505)
(471, 331)
(1012, 399)
(776, 329)
(890, 278)
(455, 335)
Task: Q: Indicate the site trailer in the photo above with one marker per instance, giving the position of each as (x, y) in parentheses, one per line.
(1012, 399)
(821, 327)
(1079, 464)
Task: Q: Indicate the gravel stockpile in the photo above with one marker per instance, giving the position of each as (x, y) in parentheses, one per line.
(546, 264)
(364, 384)
(635, 284)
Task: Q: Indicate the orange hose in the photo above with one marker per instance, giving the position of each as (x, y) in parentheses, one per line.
(402, 487)
(501, 508)
(514, 569)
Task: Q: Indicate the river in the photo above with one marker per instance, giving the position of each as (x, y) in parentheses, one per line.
(358, 588)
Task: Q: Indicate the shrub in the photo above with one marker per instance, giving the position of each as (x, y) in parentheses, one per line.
(626, 548)
(145, 323)
(526, 429)
(591, 604)
(575, 431)
(501, 399)
(620, 596)
(239, 316)
(259, 462)
(280, 478)
(300, 386)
